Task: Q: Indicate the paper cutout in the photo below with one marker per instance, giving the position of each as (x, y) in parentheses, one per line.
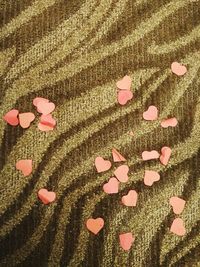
(25, 119)
(39, 99)
(25, 166)
(151, 114)
(124, 83)
(46, 196)
(45, 108)
(165, 155)
(130, 199)
(177, 204)
(11, 117)
(112, 186)
(48, 120)
(150, 177)
(44, 128)
(172, 122)
(102, 165)
(178, 69)
(117, 157)
(122, 173)
(178, 227)
(124, 96)
(95, 225)
(148, 155)
(126, 240)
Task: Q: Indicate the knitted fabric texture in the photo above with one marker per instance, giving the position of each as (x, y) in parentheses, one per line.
(73, 53)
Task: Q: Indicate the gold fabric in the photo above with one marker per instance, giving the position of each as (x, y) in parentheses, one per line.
(73, 52)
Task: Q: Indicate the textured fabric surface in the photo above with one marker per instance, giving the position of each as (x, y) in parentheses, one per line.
(73, 52)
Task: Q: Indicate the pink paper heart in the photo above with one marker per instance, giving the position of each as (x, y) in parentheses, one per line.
(124, 96)
(150, 177)
(151, 114)
(124, 83)
(148, 155)
(130, 199)
(12, 117)
(95, 225)
(117, 157)
(169, 122)
(45, 128)
(25, 166)
(48, 120)
(178, 227)
(178, 69)
(45, 108)
(112, 186)
(126, 240)
(39, 99)
(177, 204)
(165, 155)
(25, 119)
(122, 173)
(46, 196)
(102, 165)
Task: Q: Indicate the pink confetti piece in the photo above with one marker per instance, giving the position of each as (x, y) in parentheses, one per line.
(150, 177)
(95, 225)
(177, 204)
(45, 108)
(165, 155)
(48, 120)
(25, 119)
(178, 69)
(124, 96)
(25, 166)
(39, 99)
(44, 128)
(148, 155)
(117, 157)
(151, 114)
(178, 227)
(122, 173)
(112, 186)
(46, 196)
(124, 83)
(172, 122)
(130, 200)
(11, 117)
(102, 165)
(126, 240)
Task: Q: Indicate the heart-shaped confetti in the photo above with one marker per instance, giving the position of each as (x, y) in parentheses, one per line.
(12, 117)
(45, 108)
(151, 114)
(112, 186)
(126, 240)
(122, 173)
(150, 177)
(124, 83)
(39, 99)
(130, 199)
(178, 227)
(148, 155)
(177, 204)
(25, 119)
(102, 165)
(124, 96)
(172, 122)
(95, 225)
(25, 166)
(178, 69)
(44, 128)
(165, 155)
(117, 157)
(46, 196)
(48, 120)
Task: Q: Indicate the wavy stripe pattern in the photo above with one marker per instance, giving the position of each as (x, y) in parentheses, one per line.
(76, 65)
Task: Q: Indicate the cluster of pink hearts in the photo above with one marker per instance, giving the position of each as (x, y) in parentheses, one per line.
(47, 123)
(121, 173)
